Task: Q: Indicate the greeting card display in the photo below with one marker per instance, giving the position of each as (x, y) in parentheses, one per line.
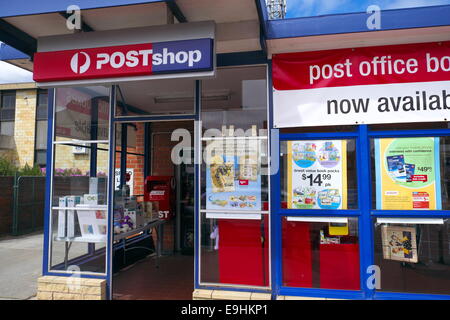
(399, 243)
(93, 223)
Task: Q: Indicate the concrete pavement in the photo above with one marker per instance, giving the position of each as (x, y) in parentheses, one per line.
(20, 266)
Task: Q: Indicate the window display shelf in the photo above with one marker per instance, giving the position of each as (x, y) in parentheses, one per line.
(150, 225)
(84, 208)
(410, 220)
(238, 216)
(81, 239)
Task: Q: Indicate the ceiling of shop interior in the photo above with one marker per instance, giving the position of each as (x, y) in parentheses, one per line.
(147, 95)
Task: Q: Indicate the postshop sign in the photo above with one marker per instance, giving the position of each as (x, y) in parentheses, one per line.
(142, 59)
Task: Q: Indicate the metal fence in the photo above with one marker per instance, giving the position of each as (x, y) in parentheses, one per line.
(29, 205)
(22, 202)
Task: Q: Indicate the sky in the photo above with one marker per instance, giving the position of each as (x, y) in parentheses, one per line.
(308, 8)
(295, 8)
(13, 74)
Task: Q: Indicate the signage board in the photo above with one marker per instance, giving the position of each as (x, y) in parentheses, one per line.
(386, 84)
(142, 59)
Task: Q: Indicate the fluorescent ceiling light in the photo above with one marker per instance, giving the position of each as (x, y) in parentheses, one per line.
(220, 95)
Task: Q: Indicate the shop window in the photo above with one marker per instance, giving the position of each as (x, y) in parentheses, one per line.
(234, 179)
(411, 173)
(82, 113)
(235, 249)
(413, 255)
(318, 174)
(162, 97)
(320, 252)
(78, 236)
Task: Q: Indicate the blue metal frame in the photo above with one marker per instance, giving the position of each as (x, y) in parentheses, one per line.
(365, 215)
(26, 7)
(274, 205)
(48, 201)
(409, 18)
(198, 102)
(278, 213)
(48, 180)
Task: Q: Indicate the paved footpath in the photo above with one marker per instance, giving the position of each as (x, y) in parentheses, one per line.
(20, 266)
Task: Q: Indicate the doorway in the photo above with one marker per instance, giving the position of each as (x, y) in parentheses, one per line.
(153, 255)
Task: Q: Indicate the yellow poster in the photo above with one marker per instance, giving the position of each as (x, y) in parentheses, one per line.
(407, 173)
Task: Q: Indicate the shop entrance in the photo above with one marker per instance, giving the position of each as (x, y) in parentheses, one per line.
(154, 245)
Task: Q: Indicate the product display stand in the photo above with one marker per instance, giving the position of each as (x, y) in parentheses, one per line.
(122, 237)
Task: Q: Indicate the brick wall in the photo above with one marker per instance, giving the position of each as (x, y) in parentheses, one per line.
(136, 162)
(25, 126)
(70, 288)
(66, 159)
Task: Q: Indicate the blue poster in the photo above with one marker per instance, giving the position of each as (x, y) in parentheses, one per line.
(233, 184)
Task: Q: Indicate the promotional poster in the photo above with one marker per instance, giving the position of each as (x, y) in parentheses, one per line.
(233, 180)
(407, 174)
(317, 174)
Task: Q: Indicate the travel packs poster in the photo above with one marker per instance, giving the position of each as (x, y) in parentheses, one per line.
(317, 174)
(233, 180)
(407, 173)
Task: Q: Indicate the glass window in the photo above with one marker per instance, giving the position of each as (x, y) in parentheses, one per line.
(411, 173)
(80, 180)
(234, 249)
(234, 178)
(162, 97)
(7, 116)
(82, 113)
(41, 135)
(235, 140)
(413, 255)
(318, 174)
(320, 253)
(42, 105)
(41, 158)
(8, 99)
(7, 128)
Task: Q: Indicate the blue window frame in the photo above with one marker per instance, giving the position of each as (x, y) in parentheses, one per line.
(365, 213)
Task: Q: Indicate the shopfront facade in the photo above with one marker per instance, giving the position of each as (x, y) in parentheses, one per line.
(314, 161)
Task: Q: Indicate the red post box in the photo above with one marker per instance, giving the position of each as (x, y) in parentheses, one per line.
(159, 191)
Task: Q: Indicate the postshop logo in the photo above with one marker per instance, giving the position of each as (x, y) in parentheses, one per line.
(81, 61)
(77, 66)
